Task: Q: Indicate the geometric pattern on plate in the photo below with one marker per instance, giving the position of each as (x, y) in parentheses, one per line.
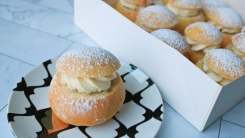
(35, 98)
(141, 114)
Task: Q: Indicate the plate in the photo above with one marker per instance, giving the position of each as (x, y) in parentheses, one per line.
(29, 114)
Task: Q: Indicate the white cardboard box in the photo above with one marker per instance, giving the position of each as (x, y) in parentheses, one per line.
(182, 85)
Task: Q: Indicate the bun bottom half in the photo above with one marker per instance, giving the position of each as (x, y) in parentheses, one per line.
(165, 2)
(226, 40)
(194, 57)
(126, 12)
(85, 109)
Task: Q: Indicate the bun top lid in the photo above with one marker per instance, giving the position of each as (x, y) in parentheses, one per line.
(238, 40)
(227, 17)
(204, 33)
(225, 63)
(186, 4)
(172, 38)
(89, 62)
(157, 16)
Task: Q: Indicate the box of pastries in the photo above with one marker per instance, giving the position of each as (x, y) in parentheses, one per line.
(194, 50)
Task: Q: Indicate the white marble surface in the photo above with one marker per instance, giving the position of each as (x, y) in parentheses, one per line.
(11, 72)
(32, 31)
(42, 18)
(29, 45)
(4, 126)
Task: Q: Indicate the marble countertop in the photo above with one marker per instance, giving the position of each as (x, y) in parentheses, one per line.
(33, 31)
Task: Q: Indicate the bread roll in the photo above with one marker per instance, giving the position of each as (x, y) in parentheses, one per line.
(238, 44)
(187, 11)
(228, 21)
(86, 90)
(201, 37)
(156, 17)
(130, 8)
(222, 65)
(173, 39)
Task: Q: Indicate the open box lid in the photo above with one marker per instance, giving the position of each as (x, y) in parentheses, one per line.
(182, 85)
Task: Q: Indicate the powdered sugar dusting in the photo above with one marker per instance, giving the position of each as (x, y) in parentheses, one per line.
(172, 38)
(229, 17)
(77, 107)
(212, 4)
(157, 15)
(86, 59)
(238, 41)
(207, 31)
(191, 4)
(228, 61)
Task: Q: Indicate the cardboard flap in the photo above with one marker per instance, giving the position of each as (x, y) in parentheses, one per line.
(203, 92)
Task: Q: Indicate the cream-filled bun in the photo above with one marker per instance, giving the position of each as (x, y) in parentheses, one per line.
(156, 17)
(202, 37)
(188, 12)
(86, 89)
(209, 5)
(228, 21)
(130, 8)
(238, 44)
(222, 65)
(173, 39)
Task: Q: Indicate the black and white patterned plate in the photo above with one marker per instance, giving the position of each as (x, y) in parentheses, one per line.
(29, 113)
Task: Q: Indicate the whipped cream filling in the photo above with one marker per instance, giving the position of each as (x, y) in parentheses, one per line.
(217, 78)
(183, 12)
(131, 5)
(237, 51)
(224, 29)
(87, 85)
(196, 46)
